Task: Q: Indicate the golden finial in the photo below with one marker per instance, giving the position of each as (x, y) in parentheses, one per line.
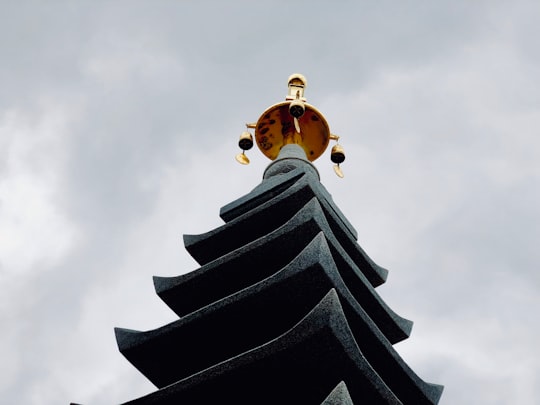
(293, 121)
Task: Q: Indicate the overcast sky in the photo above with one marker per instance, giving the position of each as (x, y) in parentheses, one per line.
(119, 124)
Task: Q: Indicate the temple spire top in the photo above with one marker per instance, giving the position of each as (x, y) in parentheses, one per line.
(292, 122)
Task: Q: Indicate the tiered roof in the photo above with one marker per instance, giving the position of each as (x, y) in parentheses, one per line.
(282, 310)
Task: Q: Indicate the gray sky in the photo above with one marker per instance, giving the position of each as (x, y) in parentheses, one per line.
(119, 124)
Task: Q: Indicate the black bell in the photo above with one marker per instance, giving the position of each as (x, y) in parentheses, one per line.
(338, 154)
(246, 141)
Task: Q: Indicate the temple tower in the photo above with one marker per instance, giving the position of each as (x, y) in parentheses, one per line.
(283, 309)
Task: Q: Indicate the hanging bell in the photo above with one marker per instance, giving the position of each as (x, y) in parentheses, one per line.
(245, 143)
(297, 108)
(338, 154)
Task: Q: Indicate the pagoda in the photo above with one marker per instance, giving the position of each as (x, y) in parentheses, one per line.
(283, 309)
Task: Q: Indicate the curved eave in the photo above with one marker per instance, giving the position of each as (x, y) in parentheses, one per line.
(185, 347)
(324, 351)
(187, 293)
(273, 213)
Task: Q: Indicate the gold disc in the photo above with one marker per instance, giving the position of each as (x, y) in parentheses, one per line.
(277, 127)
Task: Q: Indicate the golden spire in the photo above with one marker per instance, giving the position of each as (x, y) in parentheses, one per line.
(292, 121)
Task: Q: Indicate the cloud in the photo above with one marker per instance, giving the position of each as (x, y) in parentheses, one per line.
(33, 159)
